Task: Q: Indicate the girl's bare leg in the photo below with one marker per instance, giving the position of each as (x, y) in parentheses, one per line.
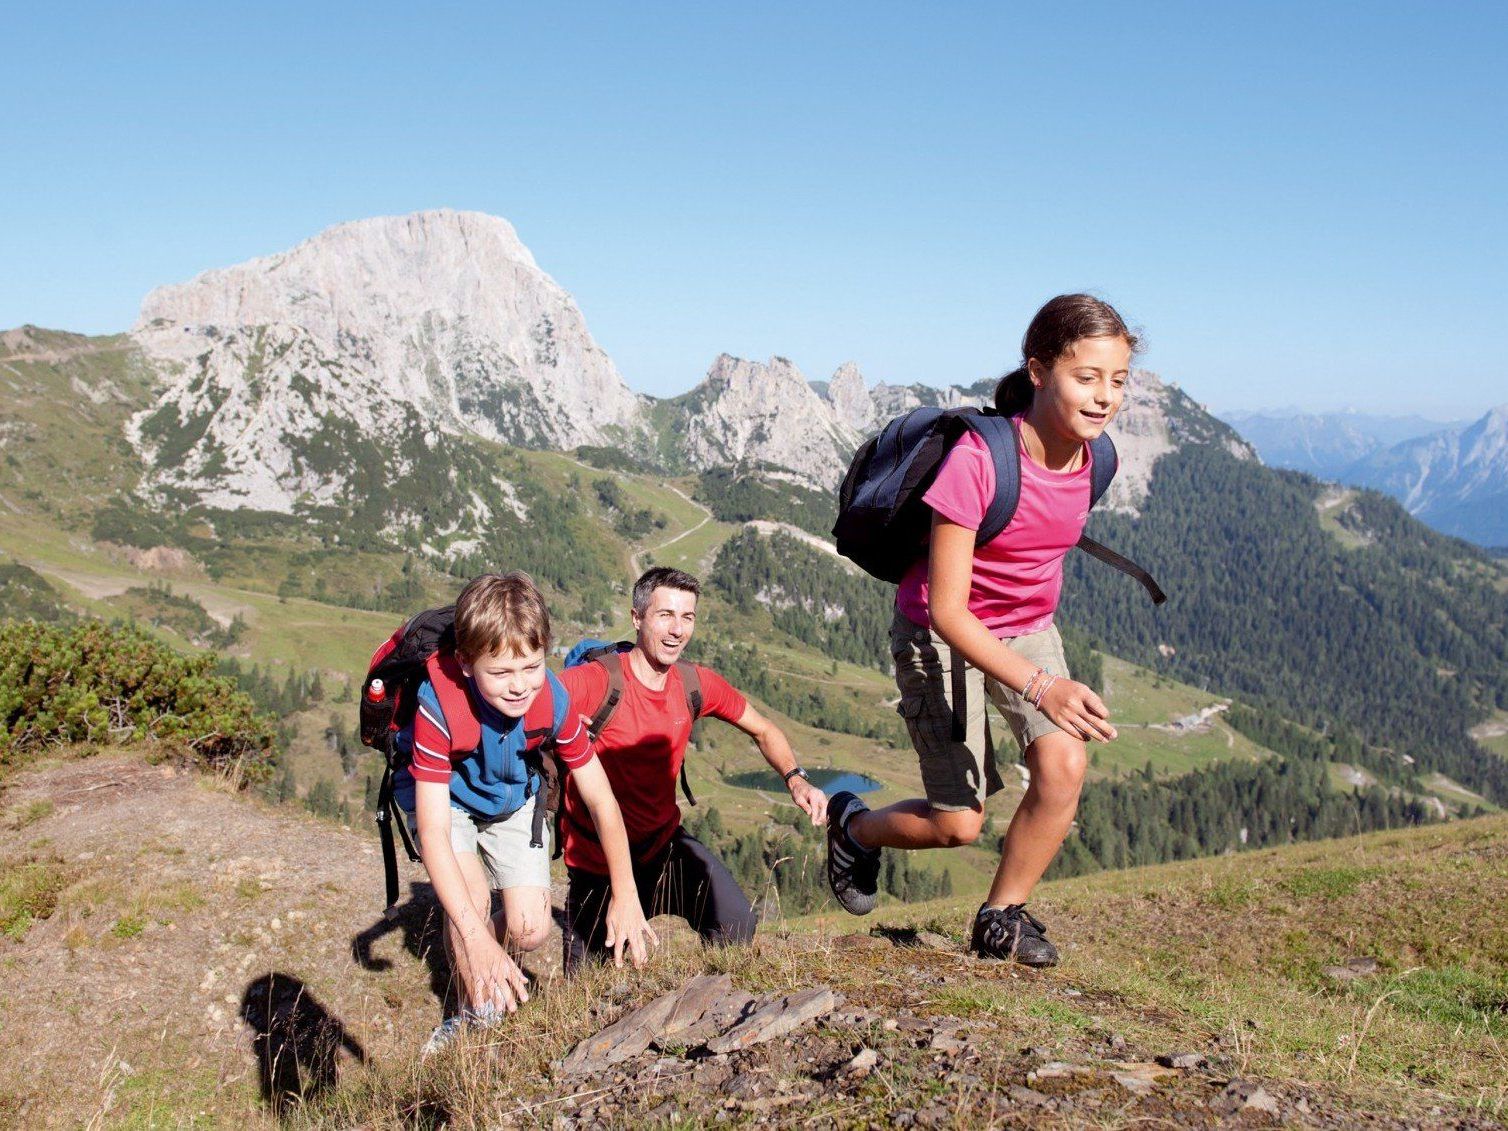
(915, 824)
(1057, 763)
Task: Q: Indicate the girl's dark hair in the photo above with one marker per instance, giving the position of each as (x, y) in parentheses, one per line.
(1060, 323)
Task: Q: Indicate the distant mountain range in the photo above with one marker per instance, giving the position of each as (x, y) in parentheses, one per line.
(1324, 444)
(1452, 476)
(1455, 480)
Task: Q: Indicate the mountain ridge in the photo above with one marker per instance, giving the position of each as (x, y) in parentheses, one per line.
(443, 322)
(1456, 480)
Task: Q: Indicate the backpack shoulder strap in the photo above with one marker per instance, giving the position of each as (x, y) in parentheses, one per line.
(541, 723)
(545, 714)
(613, 666)
(999, 435)
(444, 673)
(691, 684)
(1104, 463)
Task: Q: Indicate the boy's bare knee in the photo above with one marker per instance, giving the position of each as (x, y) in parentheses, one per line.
(526, 919)
(528, 935)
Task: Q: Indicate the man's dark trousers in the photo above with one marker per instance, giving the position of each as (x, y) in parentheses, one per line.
(684, 878)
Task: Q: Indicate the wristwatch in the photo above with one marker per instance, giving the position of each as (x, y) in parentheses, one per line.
(795, 772)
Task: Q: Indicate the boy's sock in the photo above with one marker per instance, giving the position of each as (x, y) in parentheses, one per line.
(453, 1026)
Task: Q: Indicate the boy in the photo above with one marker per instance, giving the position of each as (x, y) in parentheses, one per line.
(474, 810)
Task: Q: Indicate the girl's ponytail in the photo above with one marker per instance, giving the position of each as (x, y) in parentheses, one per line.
(1060, 323)
(1013, 395)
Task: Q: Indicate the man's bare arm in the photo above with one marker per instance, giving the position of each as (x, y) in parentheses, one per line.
(776, 749)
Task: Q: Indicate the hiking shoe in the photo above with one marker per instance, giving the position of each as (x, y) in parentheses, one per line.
(452, 1027)
(852, 872)
(1012, 932)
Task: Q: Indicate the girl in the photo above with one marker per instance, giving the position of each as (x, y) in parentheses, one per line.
(975, 621)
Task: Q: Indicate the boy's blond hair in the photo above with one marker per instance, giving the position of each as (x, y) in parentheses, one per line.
(501, 612)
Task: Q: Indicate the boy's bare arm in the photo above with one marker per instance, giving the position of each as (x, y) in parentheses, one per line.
(776, 749)
(491, 976)
(626, 925)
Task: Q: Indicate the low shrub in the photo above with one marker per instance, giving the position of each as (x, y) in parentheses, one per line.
(107, 684)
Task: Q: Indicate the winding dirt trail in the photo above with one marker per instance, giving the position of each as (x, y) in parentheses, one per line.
(636, 558)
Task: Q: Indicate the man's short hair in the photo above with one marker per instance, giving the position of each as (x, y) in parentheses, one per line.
(662, 577)
(501, 612)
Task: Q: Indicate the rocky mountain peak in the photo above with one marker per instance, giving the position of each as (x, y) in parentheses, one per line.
(1158, 417)
(850, 398)
(438, 320)
(445, 263)
(751, 412)
(734, 373)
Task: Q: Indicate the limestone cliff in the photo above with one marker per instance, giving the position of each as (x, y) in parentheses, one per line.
(438, 318)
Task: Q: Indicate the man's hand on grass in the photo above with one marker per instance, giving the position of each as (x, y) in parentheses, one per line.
(627, 927)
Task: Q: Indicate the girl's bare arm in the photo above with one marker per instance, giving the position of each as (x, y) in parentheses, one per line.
(950, 573)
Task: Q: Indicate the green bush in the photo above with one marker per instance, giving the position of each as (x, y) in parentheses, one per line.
(110, 684)
(27, 595)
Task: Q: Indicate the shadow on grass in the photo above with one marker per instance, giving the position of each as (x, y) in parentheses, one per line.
(421, 921)
(296, 1040)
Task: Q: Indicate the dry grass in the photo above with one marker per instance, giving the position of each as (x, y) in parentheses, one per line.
(1222, 957)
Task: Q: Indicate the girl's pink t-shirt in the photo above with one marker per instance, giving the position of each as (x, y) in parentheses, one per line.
(1019, 573)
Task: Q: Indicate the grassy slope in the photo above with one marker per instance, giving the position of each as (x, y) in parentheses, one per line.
(1220, 957)
(1223, 957)
(1493, 734)
(66, 398)
(1227, 954)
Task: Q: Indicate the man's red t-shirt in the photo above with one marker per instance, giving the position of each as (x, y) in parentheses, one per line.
(641, 748)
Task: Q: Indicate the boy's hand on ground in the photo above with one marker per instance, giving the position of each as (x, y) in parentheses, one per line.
(496, 979)
(811, 799)
(626, 926)
(1078, 711)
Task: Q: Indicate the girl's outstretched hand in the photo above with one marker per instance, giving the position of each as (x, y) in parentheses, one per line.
(1078, 711)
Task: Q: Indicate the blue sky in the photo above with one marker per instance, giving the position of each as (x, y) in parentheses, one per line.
(1299, 204)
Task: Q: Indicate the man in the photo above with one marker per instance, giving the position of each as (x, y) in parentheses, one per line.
(642, 746)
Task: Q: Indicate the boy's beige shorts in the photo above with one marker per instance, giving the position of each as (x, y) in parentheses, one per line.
(502, 846)
(943, 702)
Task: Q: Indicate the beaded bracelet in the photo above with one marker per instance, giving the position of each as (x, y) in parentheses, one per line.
(1041, 691)
(1026, 692)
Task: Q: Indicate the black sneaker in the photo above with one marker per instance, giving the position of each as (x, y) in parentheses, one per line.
(852, 872)
(1012, 932)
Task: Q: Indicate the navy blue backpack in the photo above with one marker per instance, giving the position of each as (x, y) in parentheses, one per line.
(883, 524)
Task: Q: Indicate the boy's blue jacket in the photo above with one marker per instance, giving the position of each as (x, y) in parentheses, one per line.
(494, 781)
